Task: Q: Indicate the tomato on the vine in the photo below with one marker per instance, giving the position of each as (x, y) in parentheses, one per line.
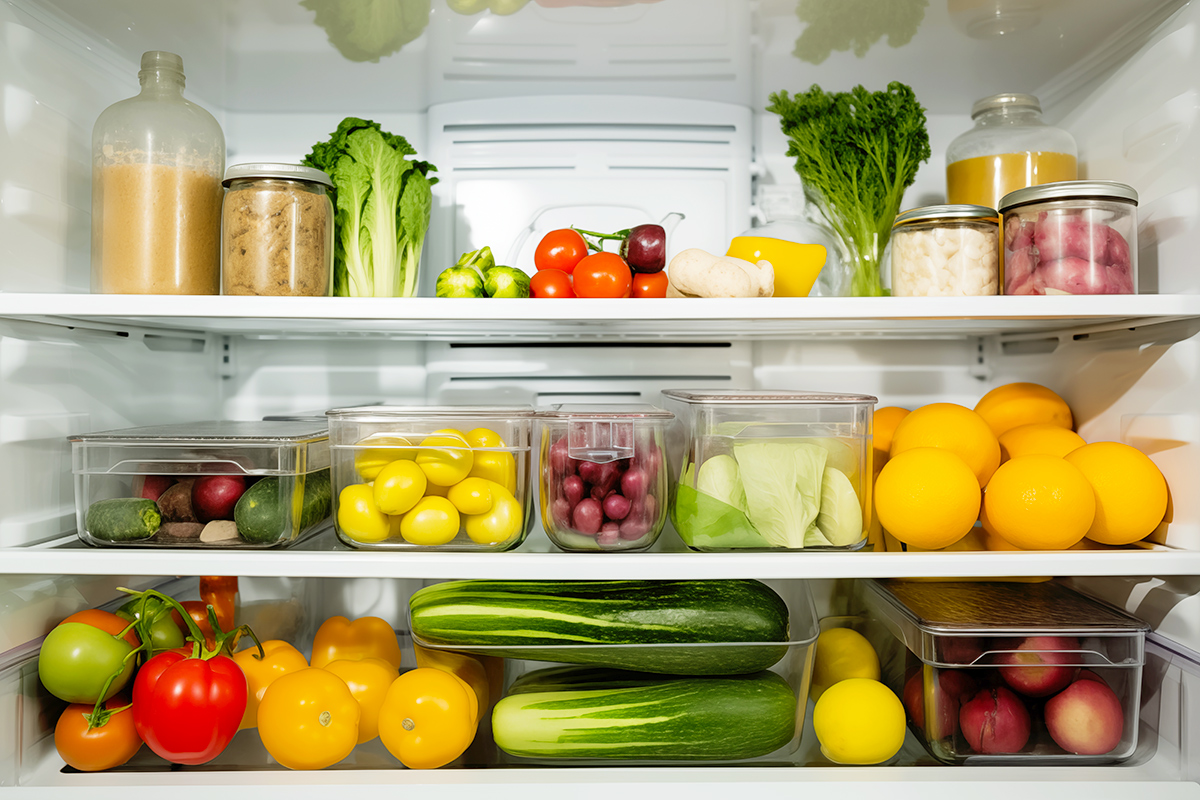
(77, 660)
(561, 249)
(107, 622)
(653, 284)
(603, 275)
(198, 611)
(551, 283)
(109, 745)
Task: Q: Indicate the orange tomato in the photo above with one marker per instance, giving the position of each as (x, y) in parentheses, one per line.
(105, 621)
(653, 284)
(198, 611)
(551, 283)
(561, 249)
(308, 719)
(368, 679)
(110, 745)
(603, 275)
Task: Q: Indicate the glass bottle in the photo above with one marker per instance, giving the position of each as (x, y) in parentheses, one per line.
(157, 165)
(1009, 148)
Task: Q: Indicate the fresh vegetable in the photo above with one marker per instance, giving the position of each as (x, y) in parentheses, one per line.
(368, 30)
(367, 637)
(460, 282)
(266, 512)
(650, 285)
(470, 670)
(561, 249)
(116, 624)
(856, 152)
(164, 633)
(276, 659)
(855, 25)
(528, 619)
(644, 247)
(645, 717)
(368, 680)
(220, 591)
(501, 7)
(695, 273)
(706, 523)
(175, 504)
(215, 496)
(399, 486)
(359, 516)
(123, 519)
(111, 743)
(503, 521)
(602, 275)
(445, 457)
(197, 612)
(432, 521)
(308, 719)
(151, 487)
(506, 282)
(428, 719)
(77, 660)
(551, 283)
(383, 202)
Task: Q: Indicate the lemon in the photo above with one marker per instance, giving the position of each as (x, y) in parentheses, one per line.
(471, 495)
(951, 427)
(1131, 492)
(359, 518)
(497, 467)
(501, 523)
(841, 653)
(483, 437)
(1039, 438)
(445, 457)
(1014, 404)
(927, 497)
(1039, 503)
(383, 450)
(859, 721)
(399, 486)
(432, 521)
(884, 426)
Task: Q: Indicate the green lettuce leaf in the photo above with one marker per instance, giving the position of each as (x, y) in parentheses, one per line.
(782, 482)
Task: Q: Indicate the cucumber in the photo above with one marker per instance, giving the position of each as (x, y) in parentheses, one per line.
(647, 718)
(707, 626)
(123, 519)
(262, 517)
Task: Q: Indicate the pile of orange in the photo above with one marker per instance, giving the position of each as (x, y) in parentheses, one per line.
(1014, 464)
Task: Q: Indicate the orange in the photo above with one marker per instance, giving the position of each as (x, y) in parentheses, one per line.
(1039, 503)
(1038, 438)
(1014, 404)
(884, 425)
(1131, 492)
(927, 498)
(951, 427)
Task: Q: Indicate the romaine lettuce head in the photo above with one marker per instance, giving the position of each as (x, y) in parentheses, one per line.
(782, 482)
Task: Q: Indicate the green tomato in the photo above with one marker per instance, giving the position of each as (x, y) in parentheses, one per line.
(164, 633)
(506, 282)
(76, 660)
(460, 282)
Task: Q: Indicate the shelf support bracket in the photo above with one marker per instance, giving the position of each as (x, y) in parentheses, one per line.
(980, 367)
(226, 364)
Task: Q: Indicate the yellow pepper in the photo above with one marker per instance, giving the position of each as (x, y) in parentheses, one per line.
(367, 637)
(279, 659)
(427, 719)
(308, 720)
(445, 457)
(368, 680)
(463, 666)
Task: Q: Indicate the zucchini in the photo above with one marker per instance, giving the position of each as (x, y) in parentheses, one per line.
(260, 513)
(123, 519)
(580, 715)
(718, 627)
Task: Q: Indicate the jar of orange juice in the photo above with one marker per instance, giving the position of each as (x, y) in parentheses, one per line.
(1009, 148)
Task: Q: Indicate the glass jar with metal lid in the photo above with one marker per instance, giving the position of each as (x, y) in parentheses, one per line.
(946, 251)
(277, 231)
(1073, 237)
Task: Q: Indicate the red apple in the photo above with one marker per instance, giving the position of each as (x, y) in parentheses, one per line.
(151, 487)
(1086, 718)
(955, 686)
(1088, 675)
(1037, 667)
(214, 496)
(995, 722)
(960, 649)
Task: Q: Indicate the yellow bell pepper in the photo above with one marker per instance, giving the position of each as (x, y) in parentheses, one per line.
(466, 667)
(309, 719)
(279, 659)
(367, 637)
(368, 680)
(427, 719)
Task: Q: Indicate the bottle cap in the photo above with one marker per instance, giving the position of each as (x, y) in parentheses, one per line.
(1006, 100)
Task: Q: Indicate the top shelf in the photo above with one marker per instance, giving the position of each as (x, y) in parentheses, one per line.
(438, 319)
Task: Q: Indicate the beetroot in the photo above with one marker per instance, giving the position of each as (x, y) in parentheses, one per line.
(214, 496)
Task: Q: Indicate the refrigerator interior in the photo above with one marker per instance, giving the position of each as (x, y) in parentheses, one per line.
(613, 116)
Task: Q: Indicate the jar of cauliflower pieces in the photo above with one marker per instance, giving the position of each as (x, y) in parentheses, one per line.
(946, 251)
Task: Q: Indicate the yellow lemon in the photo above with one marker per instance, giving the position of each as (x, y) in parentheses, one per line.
(359, 518)
(1039, 439)
(433, 490)
(1131, 492)
(1039, 503)
(445, 457)
(927, 497)
(383, 450)
(1015, 404)
(497, 467)
(501, 523)
(951, 427)
(841, 653)
(471, 495)
(399, 486)
(483, 437)
(859, 721)
(432, 521)
(883, 426)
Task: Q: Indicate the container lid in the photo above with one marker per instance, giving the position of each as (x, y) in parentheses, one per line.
(290, 172)
(598, 411)
(214, 432)
(1069, 190)
(1005, 100)
(409, 412)
(948, 213)
(751, 397)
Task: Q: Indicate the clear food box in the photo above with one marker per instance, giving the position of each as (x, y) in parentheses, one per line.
(770, 470)
(432, 477)
(604, 479)
(203, 484)
(1008, 672)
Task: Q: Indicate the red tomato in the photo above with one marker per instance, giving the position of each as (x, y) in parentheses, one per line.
(198, 611)
(653, 284)
(188, 709)
(603, 275)
(110, 745)
(109, 623)
(561, 249)
(551, 283)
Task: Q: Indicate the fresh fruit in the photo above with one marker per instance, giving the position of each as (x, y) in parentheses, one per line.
(953, 688)
(108, 622)
(341, 639)
(995, 721)
(1086, 718)
(649, 285)
(399, 486)
(841, 653)
(1039, 438)
(859, 721)
(1038, 666)
(1015, 404)
(1040, 503)
(77, 659)
(278, 659)
(385, 449)
(927, 497)
(963, 650)
(954, 428)
(151, 487)
(884, 427)
(432, 521)
(500, 523)
(308, 719)
(560, 250)
(445, 458)
(105, 747)
(551, 283)
(187, 710)
(602, 275)
(1131, 492)
(426, 720)
(123, 519)
(215, 496)
(359, 518)
(471, 495)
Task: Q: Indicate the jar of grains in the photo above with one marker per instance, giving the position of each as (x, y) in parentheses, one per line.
(277, 231)
(946, 251)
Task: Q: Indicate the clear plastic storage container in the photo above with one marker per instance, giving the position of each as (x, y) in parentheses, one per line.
(604, 477)
(202, 484)
(1075, 237)
(805, 256)
(1027, 673)
(946, 251)
(432, 478)
(770, 470)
